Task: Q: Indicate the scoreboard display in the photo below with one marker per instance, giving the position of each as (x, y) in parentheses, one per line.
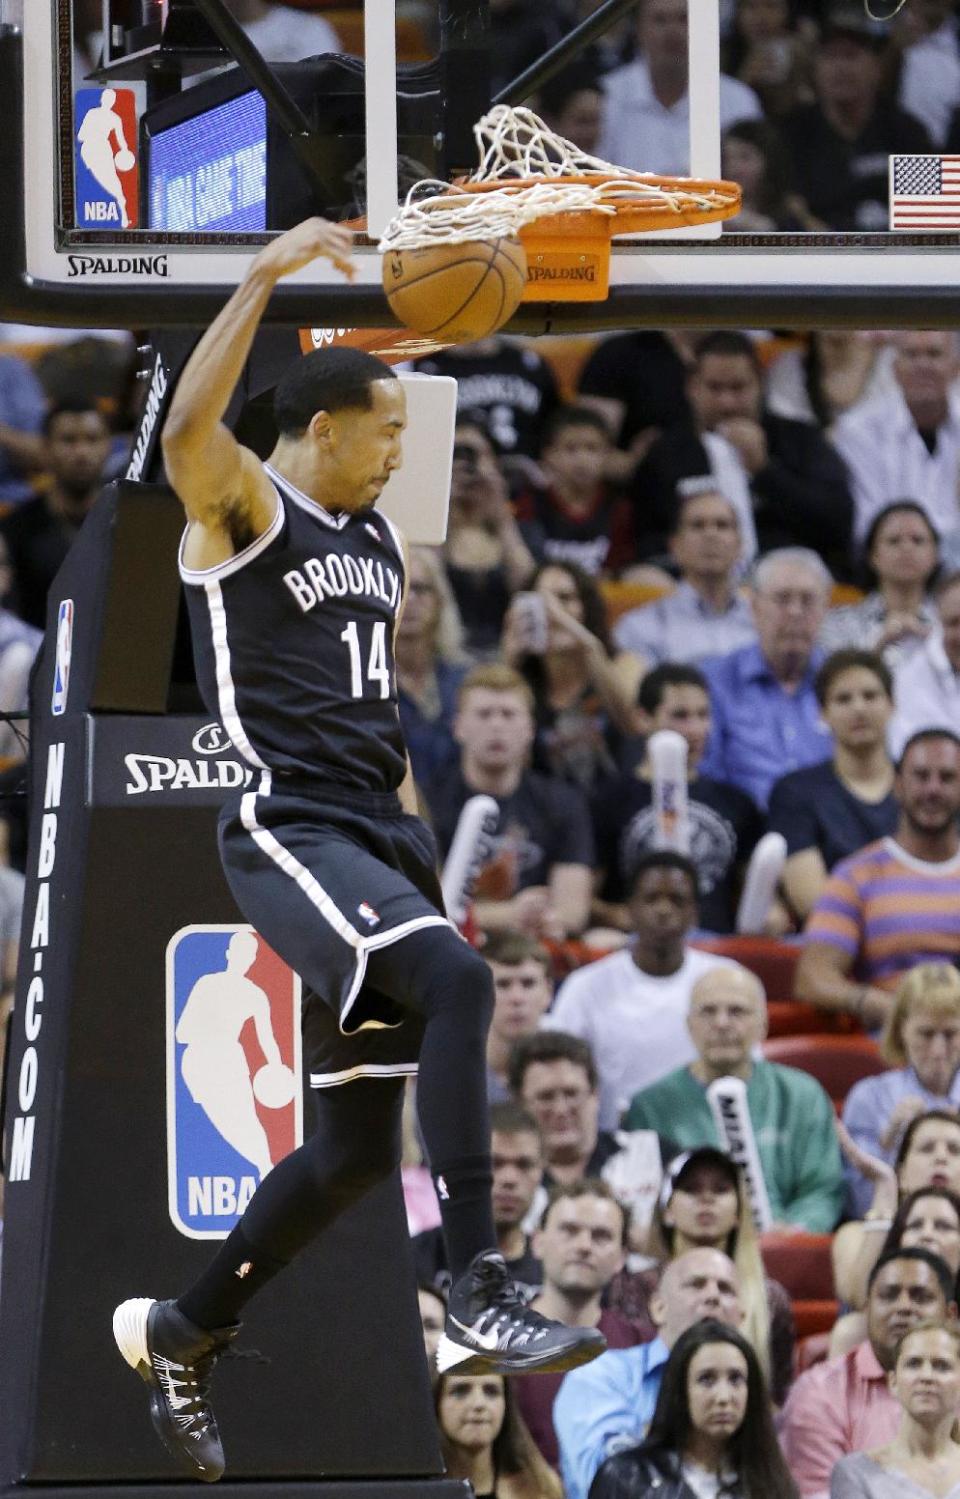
(208, 173)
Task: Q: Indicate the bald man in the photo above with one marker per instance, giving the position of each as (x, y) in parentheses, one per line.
(607, 1407)
(792, 1117)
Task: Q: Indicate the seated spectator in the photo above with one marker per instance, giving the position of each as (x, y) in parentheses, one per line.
(285, 33)
(646, 117)
(929, 73)
(724, 824)
(607, 1406)
(431, 664)
(840, 142)
(632, 1005)
(921, 1041)
(583, 696)
(706, 614)
(703, 1204)
(771, 53)
(901, 549)
(926, 683)
(484, 1441)
(827, 812)
(837, 369)
(486, 557)
(896, 903)
(928, 1218)
(928, 1156)
(41, 531)
(785, 481)
(571, 103)
(712, 1431)
(754, 157)
(19, 643)
(924, 1453)
(846, 1404)
(766, 718)
(517, 1158)
(907, 443)
(510, 389)
(22, 407)
(792, 1117)
(554, 1077)
(433, 1316)
(577, 515)
(581, 1244)
(537, 878)
(522, 994)
(638, 383)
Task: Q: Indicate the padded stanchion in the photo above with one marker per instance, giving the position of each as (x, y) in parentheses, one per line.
(111, 1184)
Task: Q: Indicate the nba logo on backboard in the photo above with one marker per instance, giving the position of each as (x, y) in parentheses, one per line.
(105, 158)
(234, 1103)
(64, 650)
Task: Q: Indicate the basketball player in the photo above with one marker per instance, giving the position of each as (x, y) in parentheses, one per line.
(294, 583)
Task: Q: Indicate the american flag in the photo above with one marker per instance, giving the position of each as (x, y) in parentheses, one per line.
(925, 192)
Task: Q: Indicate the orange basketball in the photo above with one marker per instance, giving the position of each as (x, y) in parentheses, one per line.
(456, 293)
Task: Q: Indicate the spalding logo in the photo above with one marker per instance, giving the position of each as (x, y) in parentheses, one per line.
(212, 739)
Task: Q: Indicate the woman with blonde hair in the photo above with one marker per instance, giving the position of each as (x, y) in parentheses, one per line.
(431, 663)
(921, 1042)
(923, 1459)
(484, 1440)
(703, 1204)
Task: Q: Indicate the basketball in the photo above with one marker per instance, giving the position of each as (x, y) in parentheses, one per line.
(124, 161)
(456, 293)
(274, 1085)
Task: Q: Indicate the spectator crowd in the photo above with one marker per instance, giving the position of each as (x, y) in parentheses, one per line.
(734, 553)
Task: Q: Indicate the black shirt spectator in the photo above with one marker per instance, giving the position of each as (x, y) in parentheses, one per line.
(812, 808)
(512, 390)
(645, 375)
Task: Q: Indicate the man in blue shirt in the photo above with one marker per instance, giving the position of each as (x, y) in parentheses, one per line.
(766, 718)
(607, 1405)
(22, 406)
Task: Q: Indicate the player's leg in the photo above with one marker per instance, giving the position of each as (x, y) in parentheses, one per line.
(489, 1325)
(174, 1345)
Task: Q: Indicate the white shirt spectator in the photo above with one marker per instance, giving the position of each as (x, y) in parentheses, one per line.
(641, 133)
(635, 1022)
(286, 34)
(930, 80)
(926, 690)
(888, 460)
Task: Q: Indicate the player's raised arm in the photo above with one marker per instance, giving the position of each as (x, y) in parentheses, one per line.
(222, 485)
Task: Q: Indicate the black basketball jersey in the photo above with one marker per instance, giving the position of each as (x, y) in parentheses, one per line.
(293, 644)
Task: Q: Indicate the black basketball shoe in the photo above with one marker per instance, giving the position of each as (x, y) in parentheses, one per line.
(491, 1330)
(176, 1358)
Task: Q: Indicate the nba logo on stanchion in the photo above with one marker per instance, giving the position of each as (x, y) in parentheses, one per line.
(105, 158)
(234, 1102)
(63, 653)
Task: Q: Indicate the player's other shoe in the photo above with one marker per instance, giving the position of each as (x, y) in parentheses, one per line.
(491, 1330)
(175, 1359)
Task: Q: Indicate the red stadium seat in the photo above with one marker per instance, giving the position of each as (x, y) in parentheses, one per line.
(837, 1062)
(801, 1263)
(813, 1317)
(792, 1017)
(772, 961)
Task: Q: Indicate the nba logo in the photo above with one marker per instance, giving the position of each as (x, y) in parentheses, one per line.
(105, 158)
(234, 1102)
(61, 665)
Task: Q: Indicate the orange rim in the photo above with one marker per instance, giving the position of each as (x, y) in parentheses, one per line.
(631, 215)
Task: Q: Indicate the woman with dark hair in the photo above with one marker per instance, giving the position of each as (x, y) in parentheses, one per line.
(771, 51)
(755, 157)
(836, 368)
(484, 1440)
(712, 1433)
(926, 1219)
(556, 636)
(901, 560)
(923, 1459)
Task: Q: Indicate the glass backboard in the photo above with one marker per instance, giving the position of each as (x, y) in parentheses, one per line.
(170, 168)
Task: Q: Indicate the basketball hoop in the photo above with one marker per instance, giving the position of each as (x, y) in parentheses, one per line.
(564, 205)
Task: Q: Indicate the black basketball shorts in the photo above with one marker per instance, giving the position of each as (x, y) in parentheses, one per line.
(328, 877)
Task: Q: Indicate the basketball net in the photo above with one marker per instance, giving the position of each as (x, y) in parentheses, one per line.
(528, 172)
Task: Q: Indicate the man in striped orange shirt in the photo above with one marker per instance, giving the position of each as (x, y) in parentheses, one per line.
(896, 902)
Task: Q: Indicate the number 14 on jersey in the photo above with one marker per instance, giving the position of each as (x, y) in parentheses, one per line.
(377, 669)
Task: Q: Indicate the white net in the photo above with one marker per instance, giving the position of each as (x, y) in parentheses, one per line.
(514, 145)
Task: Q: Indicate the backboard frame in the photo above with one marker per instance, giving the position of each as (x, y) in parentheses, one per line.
(91, 278)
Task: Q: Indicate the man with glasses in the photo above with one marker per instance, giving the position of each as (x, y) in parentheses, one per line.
(766, 718)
